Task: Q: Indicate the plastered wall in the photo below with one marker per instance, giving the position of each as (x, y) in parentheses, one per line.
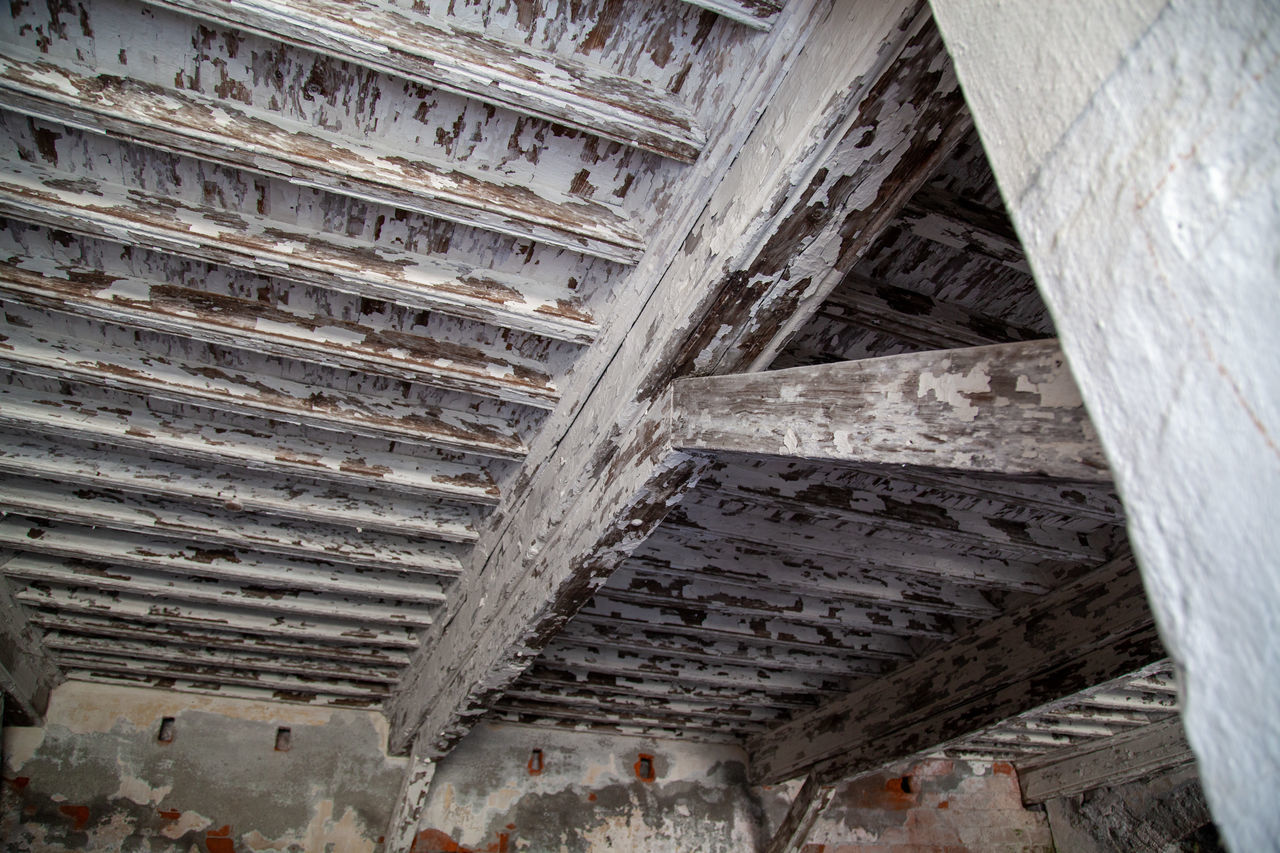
(95, 777)
(588, 796)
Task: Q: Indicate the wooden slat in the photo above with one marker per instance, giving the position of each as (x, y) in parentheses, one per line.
(29, 456)
(634, 585)
(293, 695)
(757, 14)
(28, 672)
(197, 560)
(1009, 409)
(170, 613)
(960, 224)
(250, 241)
(1086, 632)
(197, 374)
(631, 729)
(188, 312)
(657, 685)
(61, 642)
(923, 558)
(139, 513)
(232, 134)
(607, 661)
(36, 569)
(685, 642)
(259, 446)
(714, 623)
(435, 54)
(744, 718)
(1125, 757)
(531, 710)
(917, 318)
(101, 662)
(277, 648)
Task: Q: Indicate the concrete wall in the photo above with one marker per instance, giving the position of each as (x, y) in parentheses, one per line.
(94, 777)
(588, 796)
(932, 806)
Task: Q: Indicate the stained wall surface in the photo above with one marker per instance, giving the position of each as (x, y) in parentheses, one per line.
(588, 796)
(934, 805)
(95, 777)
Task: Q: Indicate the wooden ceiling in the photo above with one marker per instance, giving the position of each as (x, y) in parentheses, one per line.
(337, 339)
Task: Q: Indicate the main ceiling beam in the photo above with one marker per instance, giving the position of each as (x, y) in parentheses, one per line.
(795, 199)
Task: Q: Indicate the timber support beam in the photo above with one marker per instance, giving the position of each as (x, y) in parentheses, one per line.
(1008, 408)
(1092, 629)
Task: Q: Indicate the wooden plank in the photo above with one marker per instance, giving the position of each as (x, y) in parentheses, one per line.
(255, 242)
(808, 803)
(232, 134)
(657, 685)
(596, 479)
(676, 712)
(756, 654)
(198, 560)
(433, 53)
(60, 642)
(28, 672)
(960, 224)
(258, 446)
(406, 817)
(294, 695)
(1122, 758)
(532, 710)
(1010, 408)
(279, 599)
(633, 585)
(279, 648)
(250, 325)
(198, 374)
(757, 14)
(326, 629)
(28, 456)
(917, 318)
(1085, 632)
(138, 513)
(100, 662)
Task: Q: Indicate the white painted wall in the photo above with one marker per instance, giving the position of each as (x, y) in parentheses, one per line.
(1138, 147)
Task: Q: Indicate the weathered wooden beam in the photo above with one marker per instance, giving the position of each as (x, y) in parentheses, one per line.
(1124, 757)
(138, 513)
(597, 479)
(198, 560)
(300, 693)
(185, 311)
(535, 710)
(168, 613)
(757, 14)
(434, 53)
(278, 599)
(258, 446)
(1010, 408)
(743, 717)
(917, 318)
(659, 686)
(28, 673)
(232, 134)
(959, 223)
(406, 817)
(24, 455)
(809, 802)
(255, 242)
(1088, 631)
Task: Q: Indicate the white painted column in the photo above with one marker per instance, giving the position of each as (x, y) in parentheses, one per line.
(1137, 144)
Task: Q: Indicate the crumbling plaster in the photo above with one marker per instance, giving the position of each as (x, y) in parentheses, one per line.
(95, 777)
